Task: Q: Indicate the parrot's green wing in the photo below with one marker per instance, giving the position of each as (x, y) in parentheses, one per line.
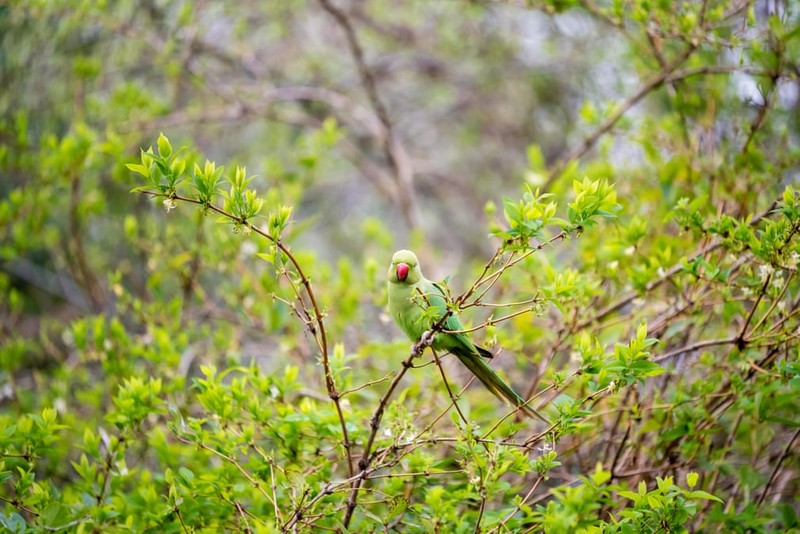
(438, 300)
(434, 297)
(470, 355)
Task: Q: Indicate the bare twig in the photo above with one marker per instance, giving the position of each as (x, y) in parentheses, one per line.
(190, 278)
(366, 385)
(255, 483)
(396, 156)
(695, 346)
(741, 337)
(80, 263)
(491, 322)
(667, 275)
(518, 507)
(15, 503)
(375, 423)
(465, 421)
(589, 141)
(774, 474)
(772, 307)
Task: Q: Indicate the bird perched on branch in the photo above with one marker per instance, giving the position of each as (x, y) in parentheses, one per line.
(416, 304)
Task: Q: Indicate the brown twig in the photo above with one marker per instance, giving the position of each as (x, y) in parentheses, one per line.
(695, 346)
(15, 503)
(81, 269)
(774, 474)
(255, 483)
(772, 307)
(190, 279)
(667, 275)
(396, 155)
(589, 141)
(465, 421)
(491, 322)
(375, 423)
(518, 507)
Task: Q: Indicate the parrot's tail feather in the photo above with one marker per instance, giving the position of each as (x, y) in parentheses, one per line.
(485, 353)
(494, 383)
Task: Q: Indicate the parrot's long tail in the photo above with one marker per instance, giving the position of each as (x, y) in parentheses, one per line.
(475, 363)
(483, 352)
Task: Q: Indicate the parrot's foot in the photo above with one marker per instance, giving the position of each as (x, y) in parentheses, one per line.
(427, 338)
(424, 341)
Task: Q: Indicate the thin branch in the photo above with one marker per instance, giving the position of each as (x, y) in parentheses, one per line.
(180, 518)
(73, 523)
(696, 346)
(255, 483)
(589, 141)
(241, 511)
(16, 504)
(317, 328)
(465, 421)
(774, 474)
(190, 279)
(753, 308)
(395, 154)
(278, 515)
(443, 412)
(519, 506)
(375, 423)
(81, 269)
(517, 409)
(491, 322)
(533, 300)
(492, 278)
(772, 306)
(366, 385)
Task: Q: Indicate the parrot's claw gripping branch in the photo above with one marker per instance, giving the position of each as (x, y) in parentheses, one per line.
(426, 340)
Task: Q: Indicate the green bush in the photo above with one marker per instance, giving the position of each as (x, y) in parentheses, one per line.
(187, 345)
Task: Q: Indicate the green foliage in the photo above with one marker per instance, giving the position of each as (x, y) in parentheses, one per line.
(640, 283)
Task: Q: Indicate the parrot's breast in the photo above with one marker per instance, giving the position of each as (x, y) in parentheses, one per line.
(405, 312)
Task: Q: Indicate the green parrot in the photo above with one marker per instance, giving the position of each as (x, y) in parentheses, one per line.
(410, 293)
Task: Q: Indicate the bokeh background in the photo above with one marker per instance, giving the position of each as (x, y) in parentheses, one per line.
(388, 125)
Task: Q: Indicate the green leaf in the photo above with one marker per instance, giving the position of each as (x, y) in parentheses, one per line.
(187, 476)
(600, 476)
(646, 368)
(13, 522)
(164, 147)
(535, 158)
(137, 168)
(698, 494)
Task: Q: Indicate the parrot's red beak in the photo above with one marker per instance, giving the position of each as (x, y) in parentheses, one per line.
(402, 271)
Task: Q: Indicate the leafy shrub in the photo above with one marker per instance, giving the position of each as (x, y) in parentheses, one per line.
(212, 353)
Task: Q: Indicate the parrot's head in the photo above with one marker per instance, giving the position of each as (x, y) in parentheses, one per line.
(404, 268)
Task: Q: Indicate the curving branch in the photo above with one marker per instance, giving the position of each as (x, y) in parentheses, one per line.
(375, 423)
(396, 155)
(315, 325)
(591, 140)
(627, 298)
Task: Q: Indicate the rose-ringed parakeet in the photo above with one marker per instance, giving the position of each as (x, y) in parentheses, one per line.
(410, 293)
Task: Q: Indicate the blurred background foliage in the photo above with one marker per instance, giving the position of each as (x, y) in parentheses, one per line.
(157, 375)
